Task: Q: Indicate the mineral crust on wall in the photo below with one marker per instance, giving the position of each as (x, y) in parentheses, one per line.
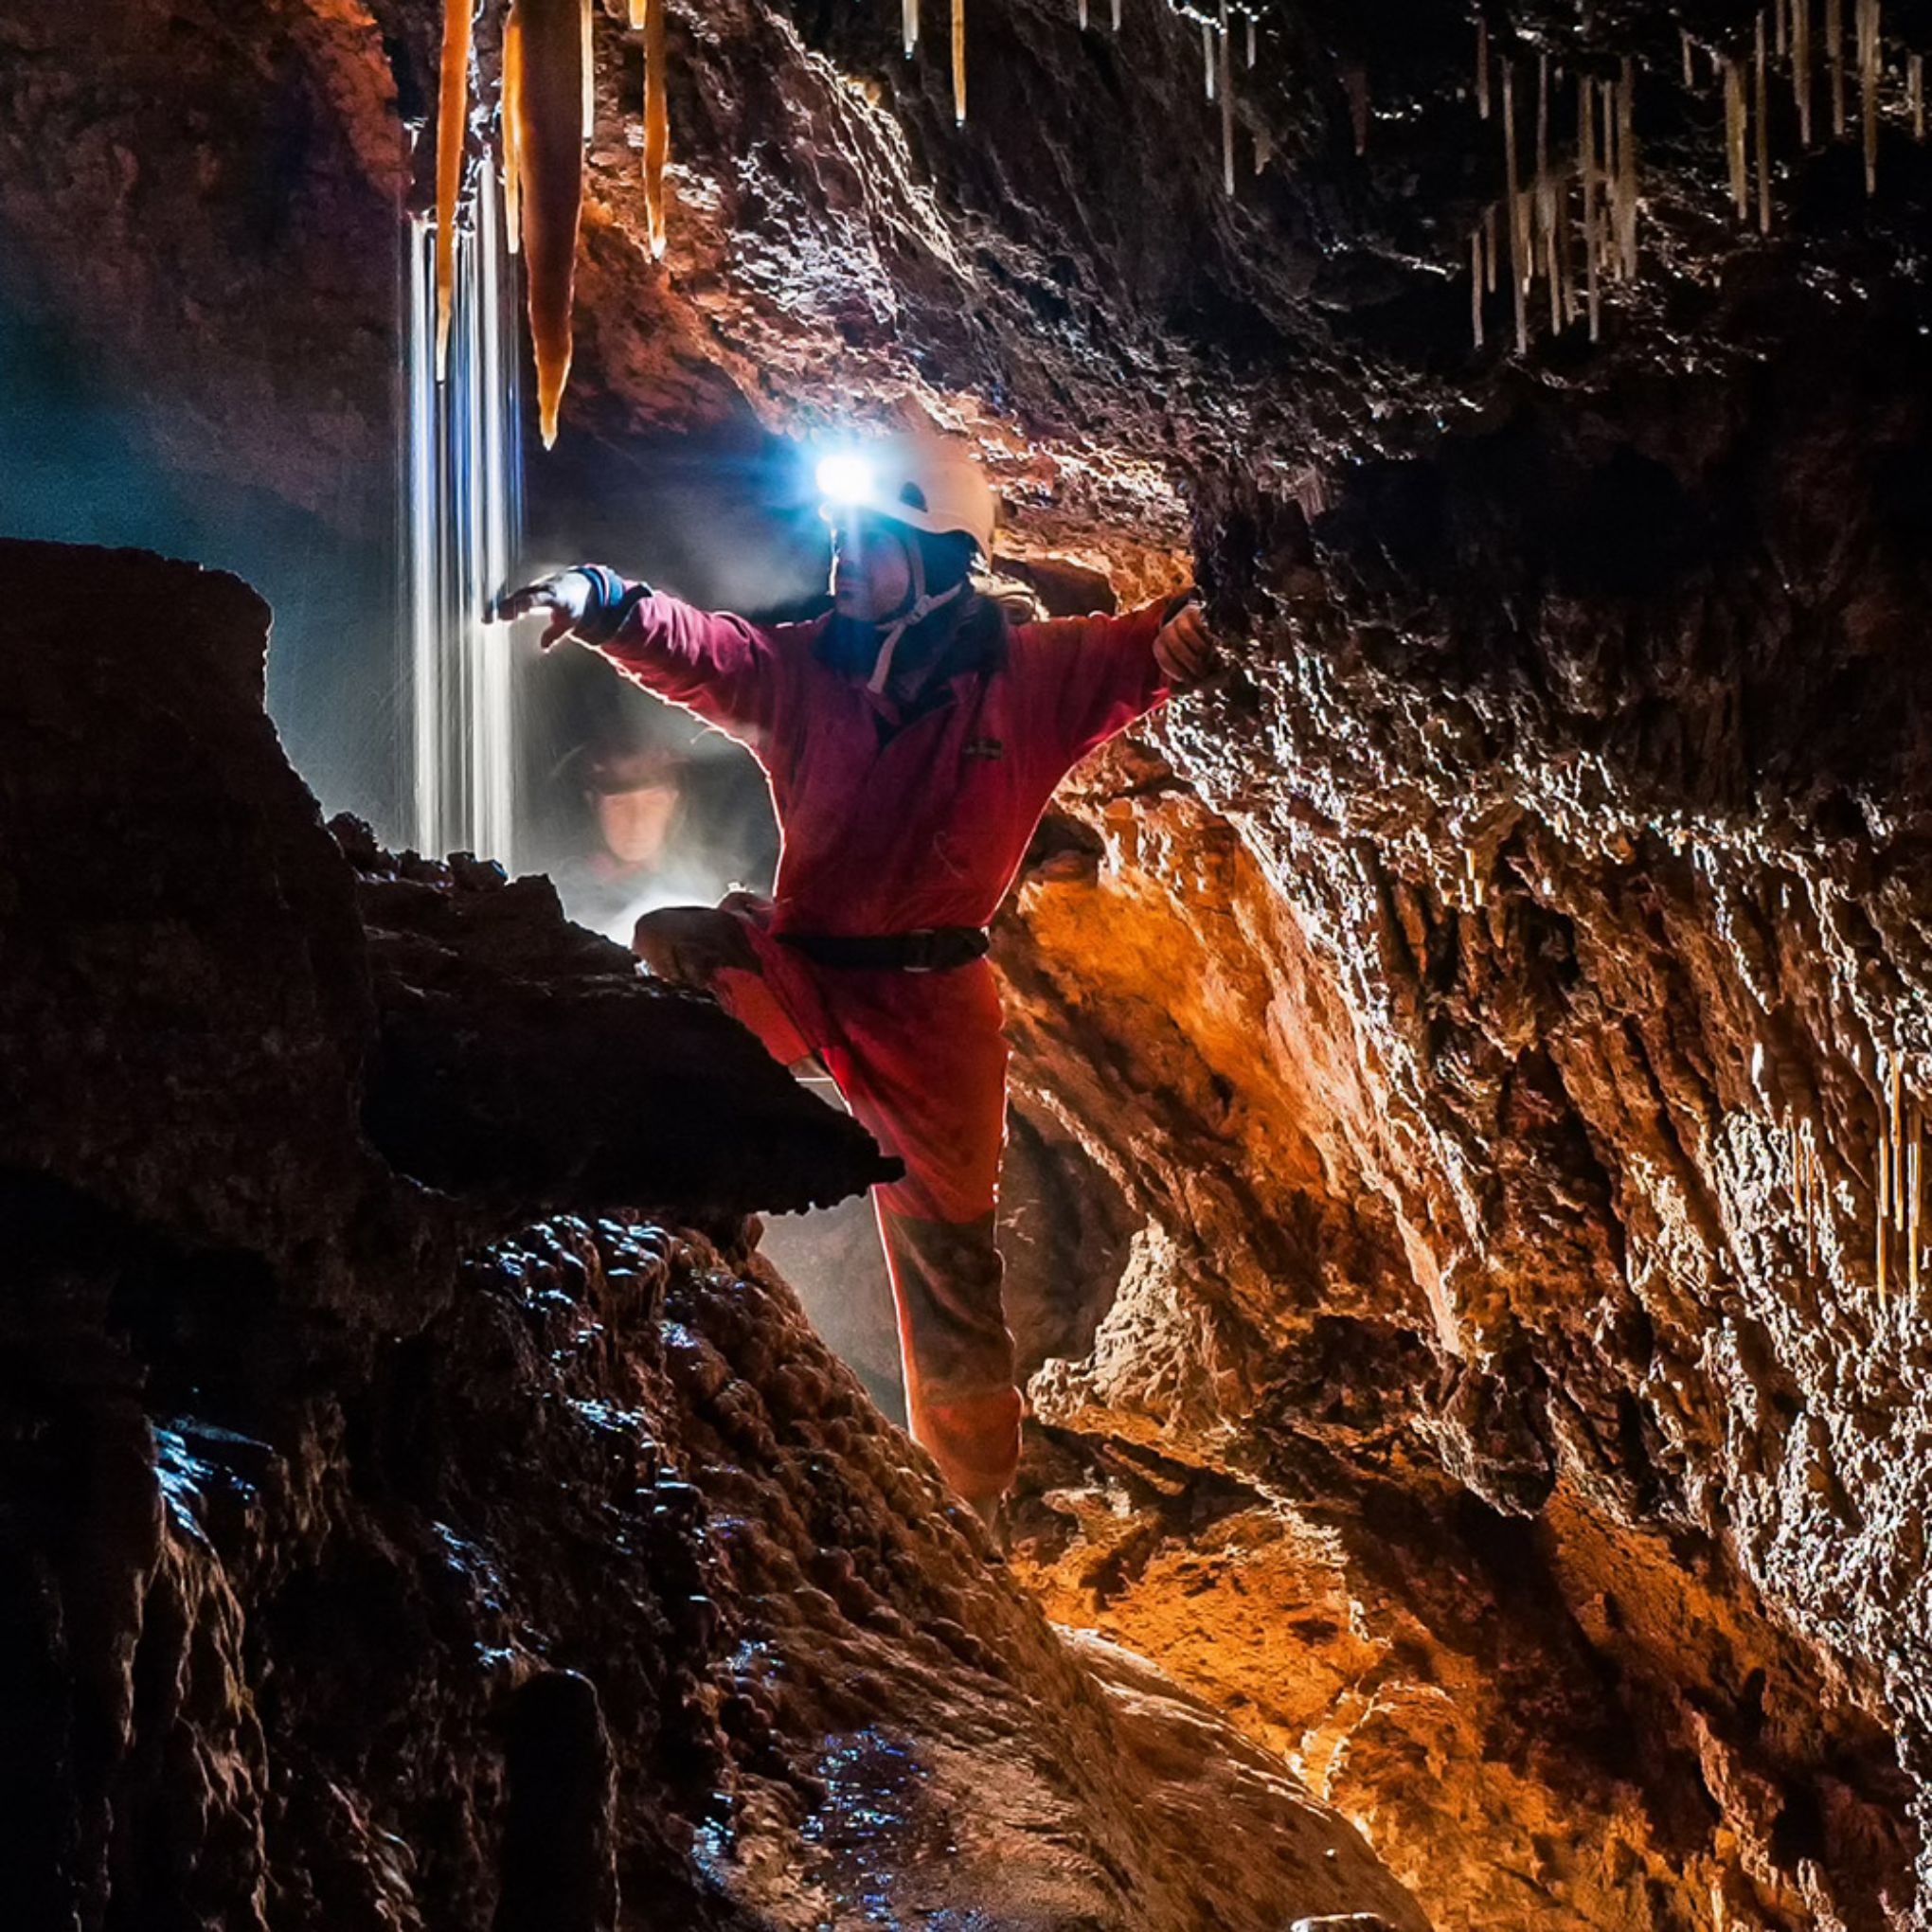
(376, 1556)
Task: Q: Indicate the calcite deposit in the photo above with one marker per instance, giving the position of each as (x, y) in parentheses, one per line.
(1458, 1379)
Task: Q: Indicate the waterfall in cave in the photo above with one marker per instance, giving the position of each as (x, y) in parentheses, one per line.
(462, 516)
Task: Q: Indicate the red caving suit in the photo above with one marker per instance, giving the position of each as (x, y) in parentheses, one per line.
(893, 823)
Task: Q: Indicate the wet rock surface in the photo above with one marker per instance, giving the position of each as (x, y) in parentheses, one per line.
(378, 1556)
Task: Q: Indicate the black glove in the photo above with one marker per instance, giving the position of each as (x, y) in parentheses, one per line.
(588, 602)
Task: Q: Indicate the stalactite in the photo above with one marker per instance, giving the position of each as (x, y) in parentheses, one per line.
(1867, 80)
(1801, 66)
(1613, 176)
(452, 127)
(1542, 118)
(1227, 104)
(1081, 12)
(1489, 239)
(589, 74)
(1250, 33)
(510, 119)
(1626, 168)
(551, 146)
(908, 23)
(1474, 877)
(960, 63)
(1835, 58)
(1684, 47)
(1482, 100)
(1586, 170)
(1734, 134)
(1782, 31)
(1358, 107)
(656, 125)
(1881, 1193)
(1915, 92)
(1566, 266)
(1513, 203)
(1914, 1167)
(1208, 59)
(1763, 131)
(1898, 1141)
(1475, 286)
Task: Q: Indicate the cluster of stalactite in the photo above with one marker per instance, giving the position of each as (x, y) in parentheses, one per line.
(546, 108)
(1591, 207)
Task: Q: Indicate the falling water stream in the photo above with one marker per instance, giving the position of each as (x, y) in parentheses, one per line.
(463, 519)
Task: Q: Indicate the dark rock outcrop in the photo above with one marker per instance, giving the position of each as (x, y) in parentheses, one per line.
(375, 1557)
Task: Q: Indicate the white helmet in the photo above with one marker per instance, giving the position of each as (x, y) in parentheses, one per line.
(922, 482)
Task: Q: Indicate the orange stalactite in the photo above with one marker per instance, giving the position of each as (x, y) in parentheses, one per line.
(511, 125)
(551, 148)
(656, 125)
(452, 127)
(959, 62)
(589, 74)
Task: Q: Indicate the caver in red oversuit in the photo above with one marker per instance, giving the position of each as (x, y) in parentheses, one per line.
(910, 762)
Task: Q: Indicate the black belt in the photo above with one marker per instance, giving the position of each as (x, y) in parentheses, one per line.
(936, 949)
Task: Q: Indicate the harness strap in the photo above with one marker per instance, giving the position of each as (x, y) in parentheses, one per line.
(922, 607)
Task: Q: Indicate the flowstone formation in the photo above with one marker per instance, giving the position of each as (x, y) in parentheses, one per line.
(1476, 1021)
(379, 1556)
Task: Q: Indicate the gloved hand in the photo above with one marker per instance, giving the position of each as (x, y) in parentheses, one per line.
(586, 601)
(1186, 648)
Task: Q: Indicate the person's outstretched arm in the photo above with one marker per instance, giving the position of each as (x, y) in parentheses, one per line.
(713, 663)
(1108, 670)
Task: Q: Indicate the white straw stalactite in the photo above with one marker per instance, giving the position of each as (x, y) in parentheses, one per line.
(1868, 85)
(1227, 105)
(1834, 61)
(908, 25)
(1514, 207)
(1626, 169)
(1764, 133)
(1482, 69)
(1734, 136)
(1800, 68)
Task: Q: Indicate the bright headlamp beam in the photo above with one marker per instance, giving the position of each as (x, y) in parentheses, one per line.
(845, 477)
